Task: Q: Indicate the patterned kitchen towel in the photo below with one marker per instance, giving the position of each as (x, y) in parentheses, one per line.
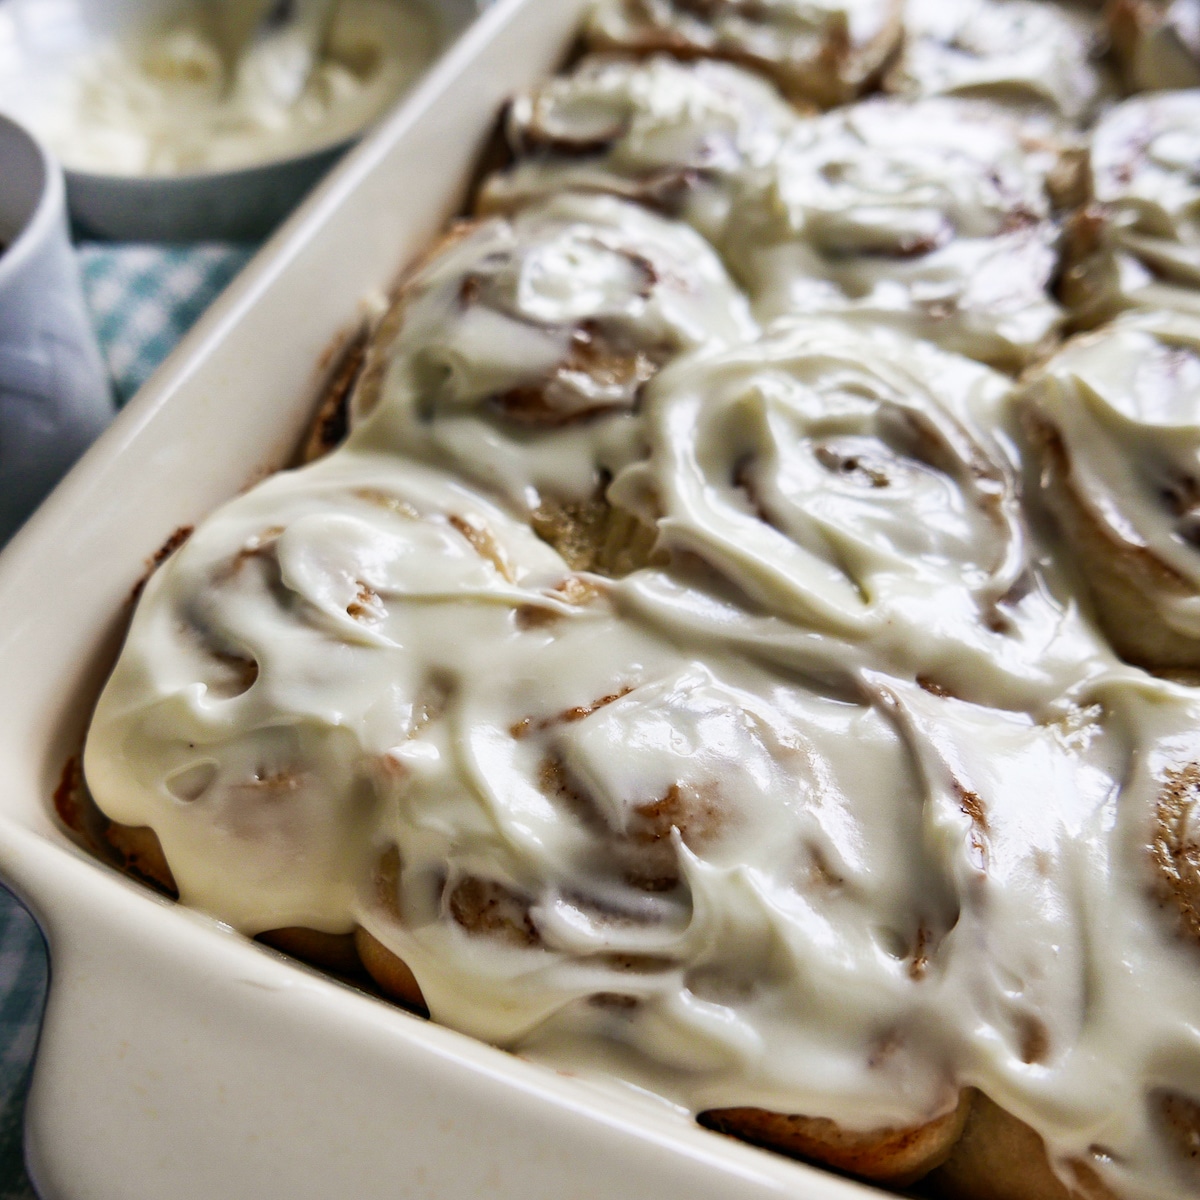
(144, 298)
(22, 997)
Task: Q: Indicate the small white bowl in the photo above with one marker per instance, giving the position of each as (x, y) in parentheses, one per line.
(39, 39)
(54, 396)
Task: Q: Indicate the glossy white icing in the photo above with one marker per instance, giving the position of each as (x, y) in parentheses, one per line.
(1146, 169)
(930, 216)
(555, 321)
(171, 102)
(674, 135)
(1026, 53)
(851, 482)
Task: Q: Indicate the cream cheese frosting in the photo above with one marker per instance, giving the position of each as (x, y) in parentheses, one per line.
(170, 103)
(1020, 52)
(1124, 406)
(843, 480)
(551, 322)
(930, 216)
(673, 135)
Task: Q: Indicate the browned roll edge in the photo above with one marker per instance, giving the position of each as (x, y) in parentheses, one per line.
(896, 1157)
(334, 952)
(1122, 579)
(1001, 1158)
(361, 367)
(135, 851)
(389, 971)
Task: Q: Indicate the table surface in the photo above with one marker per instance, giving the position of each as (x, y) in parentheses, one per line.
(142, 300)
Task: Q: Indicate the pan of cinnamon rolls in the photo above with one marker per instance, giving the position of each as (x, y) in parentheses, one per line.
(737, 633)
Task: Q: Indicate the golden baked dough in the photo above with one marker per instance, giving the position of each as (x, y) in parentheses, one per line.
(1110, 421)
(389, 971)
(1000, 1158)
(895, 1157)
(592, 535)
(335, 952)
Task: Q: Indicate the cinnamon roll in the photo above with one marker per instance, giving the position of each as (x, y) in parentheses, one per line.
(931, 216)
(518, 355)
(1138, 245)
(824, 51)
(1026, 53)
(1114, 424)
(326, 574)
(672, 135)
(842, 479)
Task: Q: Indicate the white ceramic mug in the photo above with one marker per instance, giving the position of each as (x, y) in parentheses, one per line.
(54, 394)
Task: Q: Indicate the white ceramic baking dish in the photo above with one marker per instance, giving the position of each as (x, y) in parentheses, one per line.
(178, 1060)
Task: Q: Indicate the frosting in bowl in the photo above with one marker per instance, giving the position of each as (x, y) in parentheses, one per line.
(170, 103)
